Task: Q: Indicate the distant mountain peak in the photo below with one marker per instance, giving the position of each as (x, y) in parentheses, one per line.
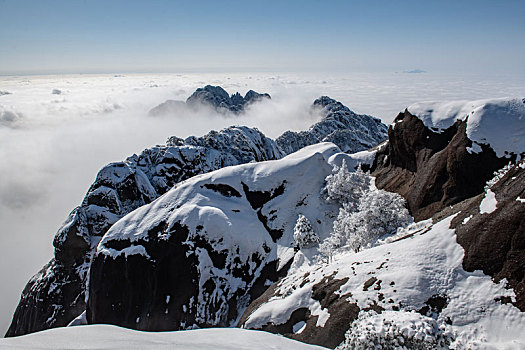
(218, 98)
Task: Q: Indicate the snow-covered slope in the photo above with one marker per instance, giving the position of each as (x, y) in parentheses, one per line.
(351, 132)
(99, 337)
(201, 252)
(420, 270)
(499, 123)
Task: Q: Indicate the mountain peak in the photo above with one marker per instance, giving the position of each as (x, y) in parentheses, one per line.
(218, 98)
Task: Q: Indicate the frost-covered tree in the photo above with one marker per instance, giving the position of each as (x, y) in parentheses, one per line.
(378, 213)
(396, 330)
(366, 213)
(303, 233)
(345, 187)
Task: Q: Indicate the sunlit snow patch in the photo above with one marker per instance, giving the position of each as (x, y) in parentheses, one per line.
(489, 203)
(499, 123)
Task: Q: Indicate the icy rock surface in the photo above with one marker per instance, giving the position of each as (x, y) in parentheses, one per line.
(351, 132)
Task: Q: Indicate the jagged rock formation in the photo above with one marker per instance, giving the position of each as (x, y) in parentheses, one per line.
(218, 98)
(351, 132)
(432, 170)
(443, 174)
(218, 249)
(55, 295)
(211, 96)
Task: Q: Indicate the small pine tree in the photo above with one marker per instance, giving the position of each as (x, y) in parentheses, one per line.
(303, 233)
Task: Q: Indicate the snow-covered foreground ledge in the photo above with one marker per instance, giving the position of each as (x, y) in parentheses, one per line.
(113, 337)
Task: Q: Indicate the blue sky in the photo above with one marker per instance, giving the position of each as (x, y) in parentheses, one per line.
(81, 36)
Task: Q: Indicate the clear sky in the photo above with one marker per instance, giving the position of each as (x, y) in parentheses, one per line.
(88, 36)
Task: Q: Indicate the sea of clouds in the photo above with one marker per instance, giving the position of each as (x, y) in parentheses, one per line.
(56, 132)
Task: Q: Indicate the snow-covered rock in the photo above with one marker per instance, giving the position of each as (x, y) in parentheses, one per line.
(206, 232)
(55, 295)
(433, 169)
(499, 123)
(218, 98)
(212, 96)
(421, 272)
(201, 252)
(351, 132)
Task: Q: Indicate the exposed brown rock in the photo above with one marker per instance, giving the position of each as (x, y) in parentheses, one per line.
(438, 177)
(432, 170)
(495, 242)
(342, 314)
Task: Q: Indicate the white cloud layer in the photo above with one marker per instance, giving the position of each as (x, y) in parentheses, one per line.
(52, 145)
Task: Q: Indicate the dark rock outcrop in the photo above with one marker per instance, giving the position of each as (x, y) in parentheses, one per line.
(438, 176)
(351, 132)
(218, 98)
(432, 170)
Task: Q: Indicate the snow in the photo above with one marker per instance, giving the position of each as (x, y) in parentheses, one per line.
(278, 310)
(113, 337)
(489, 203)
(102, 118)
(467, 219)
(299, 327)
(499, 123)
(80, 320)
(409, 271)
(131, 250)
(231, 225)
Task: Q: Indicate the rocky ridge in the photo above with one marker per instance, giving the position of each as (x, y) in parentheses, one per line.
(56, 294)
(213, 96)
(217, 249)
(351, 132)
